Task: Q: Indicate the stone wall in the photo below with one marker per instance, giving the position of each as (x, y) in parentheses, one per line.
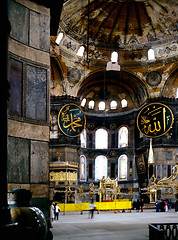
(28, 118)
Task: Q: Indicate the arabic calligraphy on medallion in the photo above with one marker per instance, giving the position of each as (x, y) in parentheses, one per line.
(71, 120)
(155, 120)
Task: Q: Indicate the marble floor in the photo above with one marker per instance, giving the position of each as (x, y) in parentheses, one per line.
(108, 225)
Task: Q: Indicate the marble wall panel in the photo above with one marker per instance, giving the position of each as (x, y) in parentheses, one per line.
(29, 27)
(44, 32)
(164, 171)
(16, 71)
(169, 155)
(36, 94)
(28, 130)
(34, 29)
(39, 190)
(19, 19)
(158, 171)
(27, 52)
(39, 162)
(39, 31)
(71, 156)
(18, 159)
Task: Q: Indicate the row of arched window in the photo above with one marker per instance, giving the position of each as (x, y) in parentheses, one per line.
(102, 104)
(114, 54)
(101, 167)
(101, 138)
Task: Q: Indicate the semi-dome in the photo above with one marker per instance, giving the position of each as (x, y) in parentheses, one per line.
(113, 86)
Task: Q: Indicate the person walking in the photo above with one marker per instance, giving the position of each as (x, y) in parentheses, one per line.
(141, 205)
(176, 206)
(92, 207)
(162, 205)
(137, 205)
(157, 206)
(57, 208)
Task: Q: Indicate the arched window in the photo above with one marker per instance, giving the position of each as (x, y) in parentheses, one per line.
(123, 137)
(83, 102)
(151, 54)
(113, 105)
(122, 167)
(101, 164)
(114, 57)
(124, 103)
(53, 126)
(81, 51)
(101, 139)
(59, 38)
(91, 104)
(83, 142)
(83, 168)
(101, 106)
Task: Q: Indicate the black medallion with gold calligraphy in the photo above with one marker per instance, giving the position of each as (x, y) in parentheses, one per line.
(71, 120)
(155, 120)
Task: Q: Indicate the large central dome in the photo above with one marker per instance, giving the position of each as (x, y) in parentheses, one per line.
(122, 24)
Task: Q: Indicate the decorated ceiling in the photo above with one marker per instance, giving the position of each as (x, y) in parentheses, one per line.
(122, 24)
(129, 27)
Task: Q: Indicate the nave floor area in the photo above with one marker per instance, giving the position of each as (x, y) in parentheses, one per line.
(109, 225)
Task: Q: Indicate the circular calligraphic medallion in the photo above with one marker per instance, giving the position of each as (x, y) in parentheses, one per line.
(155, 120)
(71, 120)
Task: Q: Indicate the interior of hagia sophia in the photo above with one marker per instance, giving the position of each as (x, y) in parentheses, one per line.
(109, 59)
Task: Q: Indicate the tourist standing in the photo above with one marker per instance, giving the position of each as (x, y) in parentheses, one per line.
(52, 212)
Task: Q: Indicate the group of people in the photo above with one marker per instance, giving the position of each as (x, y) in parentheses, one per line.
(55, 210)
(165, 205)
(161, 206)
(138, 205)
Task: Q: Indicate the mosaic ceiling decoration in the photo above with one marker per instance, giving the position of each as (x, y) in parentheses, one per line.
(120, 23)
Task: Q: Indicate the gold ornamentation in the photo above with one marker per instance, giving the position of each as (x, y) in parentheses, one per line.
(63, 176)
(170, 183)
